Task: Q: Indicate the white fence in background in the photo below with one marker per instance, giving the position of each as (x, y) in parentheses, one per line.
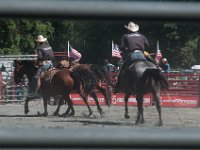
(9, 91)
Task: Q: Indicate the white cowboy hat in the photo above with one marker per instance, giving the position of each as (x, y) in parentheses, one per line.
(132, 26)
(165, 59)
(40, 38)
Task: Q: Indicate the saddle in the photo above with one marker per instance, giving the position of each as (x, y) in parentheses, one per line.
(48, 75)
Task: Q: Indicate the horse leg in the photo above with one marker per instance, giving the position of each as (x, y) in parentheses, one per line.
(103, 91)
(94, 96)
(140, 116)
(70, 108)
(127, 95)
(156, 96)
(26, 110)
(45, 102)
(86, 102)
(60, 101)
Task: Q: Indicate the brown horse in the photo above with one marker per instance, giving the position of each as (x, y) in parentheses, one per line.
(82, 77)
(59, 83)
(140, 78)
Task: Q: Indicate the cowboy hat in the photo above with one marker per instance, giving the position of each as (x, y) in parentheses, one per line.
(132, 26)
(164, 59)
(40, 38)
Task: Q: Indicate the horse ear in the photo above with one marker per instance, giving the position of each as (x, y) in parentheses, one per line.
(16, 63)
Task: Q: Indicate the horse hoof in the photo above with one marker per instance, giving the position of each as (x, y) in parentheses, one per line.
(126, 116)
(71, 114)
(160, 124)
(56, 114)
(45, 114)
(142, 121)
(102, 113)
(26, 111)
(137, 122)
(42, 115)
(88, 115)
(63, 115)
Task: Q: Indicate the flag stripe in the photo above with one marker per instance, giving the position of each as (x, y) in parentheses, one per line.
(158, 52)
(116, 51)
(158, 55)
(116, 54)
(74, 53)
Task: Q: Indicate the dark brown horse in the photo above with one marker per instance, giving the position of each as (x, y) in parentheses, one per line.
(140, 78)
(88, 79)
(82, 78)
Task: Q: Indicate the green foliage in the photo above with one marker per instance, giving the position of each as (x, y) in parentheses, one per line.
(179, 41)
(9, 51)
(187, 54)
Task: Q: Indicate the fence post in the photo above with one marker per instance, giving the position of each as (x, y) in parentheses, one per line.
(198, 91)
(1, 86)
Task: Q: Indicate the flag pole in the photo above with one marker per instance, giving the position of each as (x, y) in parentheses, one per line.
(158, 52)
(68, 50)
(157, 45)
(111, 52)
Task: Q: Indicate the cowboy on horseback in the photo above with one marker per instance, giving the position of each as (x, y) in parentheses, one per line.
(133, 46)
(45, 57)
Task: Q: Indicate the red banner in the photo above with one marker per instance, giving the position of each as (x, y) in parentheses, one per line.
(179, 101)
(77, 100)
(117, 100)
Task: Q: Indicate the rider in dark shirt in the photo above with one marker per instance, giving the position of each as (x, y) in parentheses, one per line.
(133, 45)
(45, 58)
(132, 41)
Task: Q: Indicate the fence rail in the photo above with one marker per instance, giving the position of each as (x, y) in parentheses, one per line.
(184, 91)
(17, 57)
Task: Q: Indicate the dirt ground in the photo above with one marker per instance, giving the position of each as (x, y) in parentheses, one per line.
(12, 116)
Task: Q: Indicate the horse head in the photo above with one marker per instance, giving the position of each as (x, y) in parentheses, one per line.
(18, 71)
(23, 68)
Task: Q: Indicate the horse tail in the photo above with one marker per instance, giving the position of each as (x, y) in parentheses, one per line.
(157, 76)
(85, 79)
(98, 70)
(101, 73)
(103, 76)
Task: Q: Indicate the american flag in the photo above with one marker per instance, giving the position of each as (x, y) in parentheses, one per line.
(74, 53)
(158, 53)
(116, 51)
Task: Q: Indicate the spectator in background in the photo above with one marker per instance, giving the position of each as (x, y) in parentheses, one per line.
(117, 62)
(164, 65)
(107, 65)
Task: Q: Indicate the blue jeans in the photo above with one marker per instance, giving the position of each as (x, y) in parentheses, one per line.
(46, 66)
(136, 55)
(36, 79)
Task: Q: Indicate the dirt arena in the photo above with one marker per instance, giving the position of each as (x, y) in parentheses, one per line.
(12, 116)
